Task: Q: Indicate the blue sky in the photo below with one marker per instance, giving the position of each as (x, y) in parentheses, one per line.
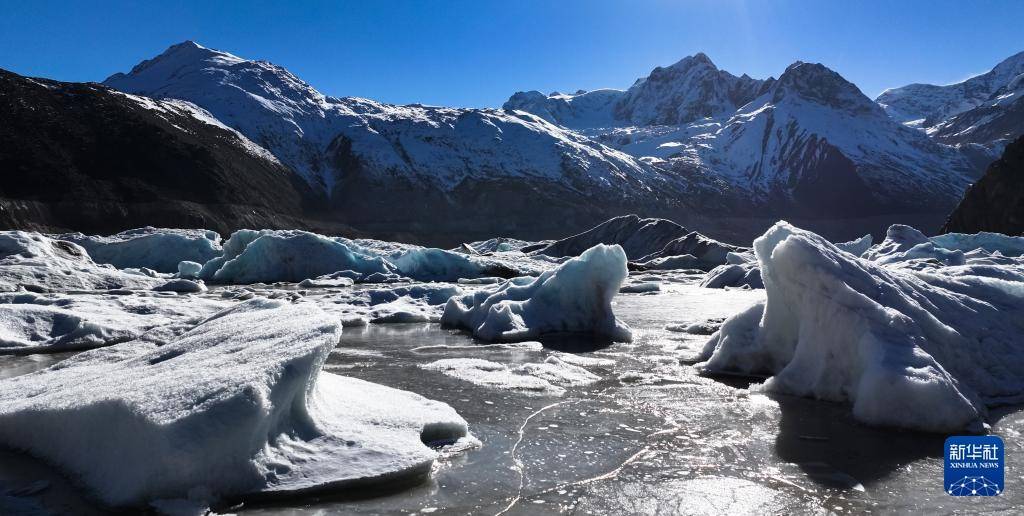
(477, 53)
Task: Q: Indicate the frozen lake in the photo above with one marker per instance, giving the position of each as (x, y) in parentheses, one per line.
(648, 435)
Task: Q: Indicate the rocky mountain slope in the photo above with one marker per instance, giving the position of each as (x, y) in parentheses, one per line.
(85, 157)
(996, 202)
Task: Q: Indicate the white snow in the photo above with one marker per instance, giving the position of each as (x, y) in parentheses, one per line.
(235, 406)
(922, 350)
(153, 248)
(575, 297)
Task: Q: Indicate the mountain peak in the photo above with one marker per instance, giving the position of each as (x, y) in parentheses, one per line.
(178, 56)
(700, 58)
(819, 83)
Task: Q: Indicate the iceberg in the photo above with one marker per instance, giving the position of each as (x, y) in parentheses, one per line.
(734, 275)
(153, 248)
(429, 264)
(990, 242)
(857, 247)
(709, 253)
(36, 262)
(685, 261)
(636, 236)
(237, 407)
(914, 349)
(575, 297)
(270, 256)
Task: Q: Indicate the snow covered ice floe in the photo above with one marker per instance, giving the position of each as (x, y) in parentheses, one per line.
(33, 323)
(548, 377)
(926, 350)
(33, 261)
(159, 249)
(576, 297)
(236, 407)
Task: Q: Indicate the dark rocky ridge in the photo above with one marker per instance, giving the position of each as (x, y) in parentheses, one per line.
(80, 156)
(996, 202)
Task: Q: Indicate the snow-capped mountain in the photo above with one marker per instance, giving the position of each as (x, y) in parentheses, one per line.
(314, 133)
(690, 141)
(814, 136)
(85, 157)
(924, 105)
(981, 114)
(692, 89)
(809, 143)
(370, 157)
(689, 90)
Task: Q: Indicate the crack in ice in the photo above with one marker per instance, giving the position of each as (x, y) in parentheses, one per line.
(518, 464)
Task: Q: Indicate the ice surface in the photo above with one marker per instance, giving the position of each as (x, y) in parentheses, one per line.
(154, 248)
(575, 297)
(235, 406)
(34, 261)
(922, 350)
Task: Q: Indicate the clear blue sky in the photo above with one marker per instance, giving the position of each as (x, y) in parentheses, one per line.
(477, 53)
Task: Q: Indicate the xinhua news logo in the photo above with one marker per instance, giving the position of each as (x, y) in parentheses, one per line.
(974, 465)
